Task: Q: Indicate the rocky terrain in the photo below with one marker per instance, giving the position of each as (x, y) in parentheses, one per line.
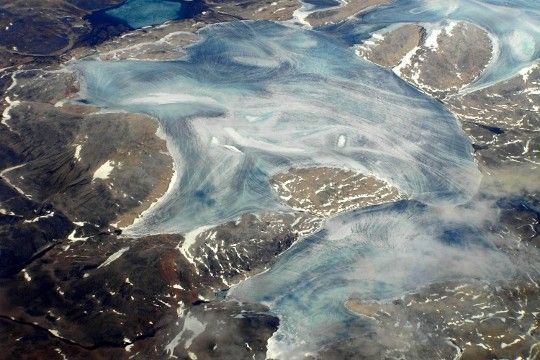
(342, 12)
(69, 183)
(326, 191)
(439, 61)
(501, 119)
(467, 321)
(63, 164)
(80, 165)
(240, 248)
(71, 286)
(477, 321)
(83, 305)
(46, 31)
(174, 280)
(69, 283)
(42, 30)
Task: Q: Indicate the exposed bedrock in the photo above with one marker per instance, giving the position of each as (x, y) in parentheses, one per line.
(388, 50)
(467, 320)
(128, 296)
(501, 120)
(80, 295)
(168, 41)
(439, 60)
(42, 29)
(236, 249)
(83, 292)
(342, 12)
(164, 43)
(27, 229)
(95, 167)
(64, 163)
(326, 191)
(255, 10)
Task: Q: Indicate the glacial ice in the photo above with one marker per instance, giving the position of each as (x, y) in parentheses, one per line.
(280, 97)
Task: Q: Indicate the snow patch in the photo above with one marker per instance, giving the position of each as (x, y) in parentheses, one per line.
(113, 257)
(525, 72)
(27, 276)
(431, 40)
(193, 327)
(300, 16)
(189, 240)
(77, 154)
(450, 27)
(3, 175)
(405, 62)
(73, 238)
(104, 170)
(36, 219)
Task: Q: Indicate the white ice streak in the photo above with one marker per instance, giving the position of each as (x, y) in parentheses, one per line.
(113, 257)
(77, 153)
(168, 98)
(38, 218)
(5, 114)
(190, 330)
(190, 240)
(3, 174)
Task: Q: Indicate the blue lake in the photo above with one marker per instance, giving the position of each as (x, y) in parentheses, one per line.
(140, 13)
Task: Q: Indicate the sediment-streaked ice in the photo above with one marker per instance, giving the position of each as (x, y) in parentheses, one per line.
(378, 253)
(512, 25)
(254, 98)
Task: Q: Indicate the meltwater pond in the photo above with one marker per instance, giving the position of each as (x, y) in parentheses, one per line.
(140, 13)
(254, 98)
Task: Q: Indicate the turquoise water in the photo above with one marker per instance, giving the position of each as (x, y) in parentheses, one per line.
(141, 13)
